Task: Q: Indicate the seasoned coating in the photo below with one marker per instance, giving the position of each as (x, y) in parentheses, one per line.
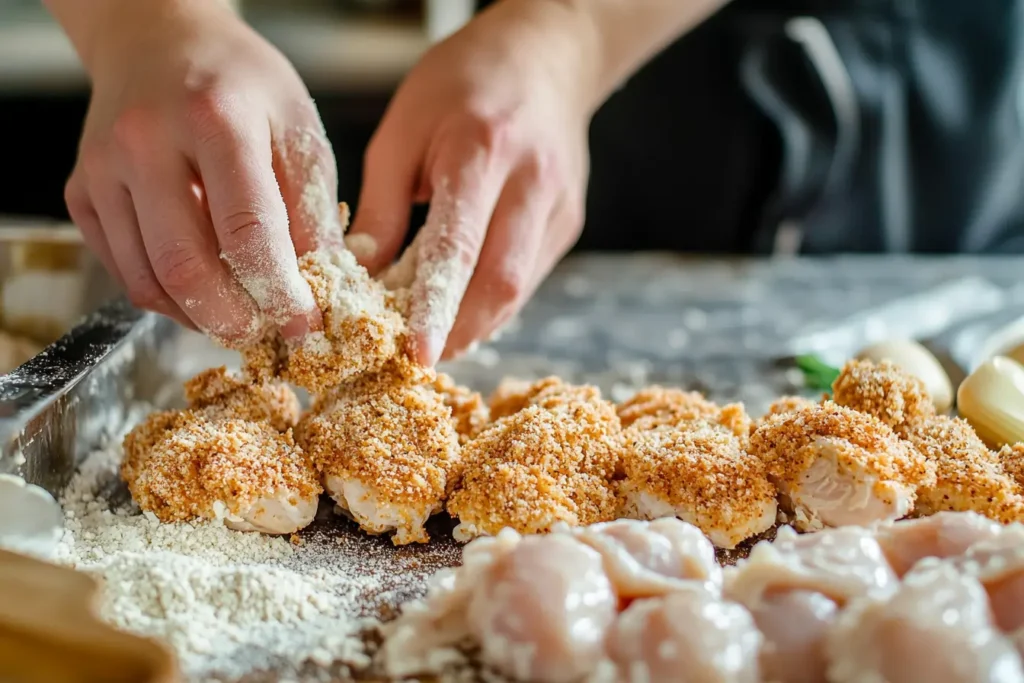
(658, 406)
(836, 466)
(701, 474)
(388, 451)
(469, 412)
(512, 395)
(543, 464)
(968, 475)
(363, 328)
(230, 456)
(883, 390)
(271, 402)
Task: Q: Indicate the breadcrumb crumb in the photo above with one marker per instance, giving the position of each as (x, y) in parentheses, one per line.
(883, 390)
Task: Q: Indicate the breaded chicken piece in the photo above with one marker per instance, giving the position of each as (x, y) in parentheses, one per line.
(469, 412)
(512, 395)
(363, 328)
(1012, 460)
(549, 462)
(883, 390)
(698, 472)
(388, 451)
(658, 406)
(836, 466)
(229, 456)
(271, 402)
(968, 475)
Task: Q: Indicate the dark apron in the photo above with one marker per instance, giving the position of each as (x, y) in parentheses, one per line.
(821, 126)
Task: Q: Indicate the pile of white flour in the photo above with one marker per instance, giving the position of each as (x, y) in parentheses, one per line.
(230, 604)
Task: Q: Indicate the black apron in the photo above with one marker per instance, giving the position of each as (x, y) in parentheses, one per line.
(821, 126)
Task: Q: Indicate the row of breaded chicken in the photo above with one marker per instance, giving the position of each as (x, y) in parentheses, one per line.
(394, 447)
(937, 599)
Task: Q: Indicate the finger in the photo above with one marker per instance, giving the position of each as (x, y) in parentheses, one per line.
(182, 247)
(116, 213)
(83, 215)
(566, 224)
(390, 174)
(251, 221)
(466, 190)
(308, 178)
(501, 281)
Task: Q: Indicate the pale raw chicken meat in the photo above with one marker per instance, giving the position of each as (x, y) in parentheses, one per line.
(937, 628)
(689, 636)
(998, 564)
(538, 607)
(942, 535)
(794, 588)
(647, 559)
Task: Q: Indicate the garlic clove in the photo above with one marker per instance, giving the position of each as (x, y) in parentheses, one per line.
(918, 361)
(992, 400)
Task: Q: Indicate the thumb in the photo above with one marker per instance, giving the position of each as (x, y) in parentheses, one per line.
(385, 202)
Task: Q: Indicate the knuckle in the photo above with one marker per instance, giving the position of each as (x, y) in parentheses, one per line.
(493, 133)
(461, 246)
(239, 227)
(93, 159)
(180, 268)
(508, 284)
(543, 168)
(207, 113)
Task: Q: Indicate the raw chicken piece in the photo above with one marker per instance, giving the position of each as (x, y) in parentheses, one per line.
(969, 476)
(998, 563)
(700, 473)
(550, 630)
(835, 466)
(884, 391)
(648, 559)
(689, 636)
(942, 535)
(387, 448)
(794, 588)
(937, 628)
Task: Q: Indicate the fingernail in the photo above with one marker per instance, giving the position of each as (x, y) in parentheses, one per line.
(428, 348)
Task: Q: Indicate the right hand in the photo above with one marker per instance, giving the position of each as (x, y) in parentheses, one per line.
(203, 170)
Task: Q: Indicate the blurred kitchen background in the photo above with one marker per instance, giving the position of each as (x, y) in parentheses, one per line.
(353, 53)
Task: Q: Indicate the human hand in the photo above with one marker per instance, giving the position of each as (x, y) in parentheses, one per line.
(203, 169)
(491, 128)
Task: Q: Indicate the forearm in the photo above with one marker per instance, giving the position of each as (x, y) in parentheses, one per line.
(625, 34)
(95, 26)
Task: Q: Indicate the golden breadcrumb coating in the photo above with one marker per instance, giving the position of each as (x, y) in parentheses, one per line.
(229, 449)
(789, 404)
(512, 395)
(883, 390)
(270, 401)
(394, 436)
(188, 464)
(969, 476)
(546, 463)
(704, 474)
(657, 406)
(865, 445)
(1011, 457)
(469, 412)
(363, 328)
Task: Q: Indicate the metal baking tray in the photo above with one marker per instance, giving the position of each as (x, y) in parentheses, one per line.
(619, 322)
